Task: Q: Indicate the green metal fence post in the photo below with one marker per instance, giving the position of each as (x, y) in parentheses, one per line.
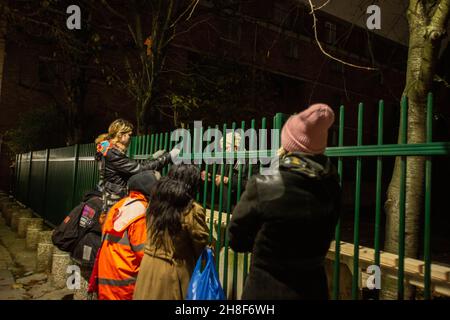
(228, 213)
(205, 182)
(30, 164)
(44, 193)
(337, 254)
(152, 143)
(213, 189)
(238, 197)
(220, 209)
(147, 145)
(355, 280)
(378, 185)
(166, 147)
(199, 162)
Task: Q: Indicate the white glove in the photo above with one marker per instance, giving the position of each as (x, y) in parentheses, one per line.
(158, 154)
(174, 154)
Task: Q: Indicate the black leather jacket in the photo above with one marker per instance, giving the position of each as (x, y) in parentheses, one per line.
(119, 168)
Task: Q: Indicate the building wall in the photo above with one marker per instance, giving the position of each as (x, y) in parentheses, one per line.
(305, 73)
(4, 160)
(394, 25)
(250, 36)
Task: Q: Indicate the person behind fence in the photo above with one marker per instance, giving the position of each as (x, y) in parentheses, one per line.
(115, 168)
(288, 219)
(176, 236)
(124, 235)
(230, 181)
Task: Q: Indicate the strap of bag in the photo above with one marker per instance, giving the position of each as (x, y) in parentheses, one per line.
(103, 171)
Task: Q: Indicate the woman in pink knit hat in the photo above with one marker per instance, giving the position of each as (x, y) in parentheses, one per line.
(287, 220)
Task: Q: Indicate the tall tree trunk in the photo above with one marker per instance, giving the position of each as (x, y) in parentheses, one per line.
(76, 98)
(74, 124)
(427, 26)
(141, 118)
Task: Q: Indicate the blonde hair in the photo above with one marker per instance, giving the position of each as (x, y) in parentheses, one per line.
(229, 142)
(118, 128)
(101, 138)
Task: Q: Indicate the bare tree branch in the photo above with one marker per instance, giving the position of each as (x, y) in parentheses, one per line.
(190, 7)
(441, 80)
(326, 53)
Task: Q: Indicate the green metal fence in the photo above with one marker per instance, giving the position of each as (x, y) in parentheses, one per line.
(52, 181)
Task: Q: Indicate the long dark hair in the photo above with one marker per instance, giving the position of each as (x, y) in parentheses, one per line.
(170, 198)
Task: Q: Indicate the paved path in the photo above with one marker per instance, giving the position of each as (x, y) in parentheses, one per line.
(18, 281)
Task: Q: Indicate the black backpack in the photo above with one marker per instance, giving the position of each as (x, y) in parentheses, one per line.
(86, 249)
(82, 220)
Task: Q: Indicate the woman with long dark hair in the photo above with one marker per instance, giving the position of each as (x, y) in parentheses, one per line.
(176, 236)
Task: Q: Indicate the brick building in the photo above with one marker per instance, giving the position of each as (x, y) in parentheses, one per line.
(275, 37)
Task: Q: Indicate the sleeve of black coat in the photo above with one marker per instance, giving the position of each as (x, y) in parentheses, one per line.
(122, 163)
(131, 167)
(158, 163)
(245, 223)
(244, 177)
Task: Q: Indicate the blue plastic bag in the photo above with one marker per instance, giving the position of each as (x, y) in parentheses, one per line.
(205, 285)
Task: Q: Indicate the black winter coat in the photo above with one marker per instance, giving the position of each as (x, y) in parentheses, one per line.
(288, 220)
(119, 168)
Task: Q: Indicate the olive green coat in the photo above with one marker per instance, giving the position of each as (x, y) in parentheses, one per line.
(167, 265)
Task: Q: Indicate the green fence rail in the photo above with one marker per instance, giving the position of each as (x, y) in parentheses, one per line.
(52, 181)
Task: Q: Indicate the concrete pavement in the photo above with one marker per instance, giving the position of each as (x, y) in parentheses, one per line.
(18, 279)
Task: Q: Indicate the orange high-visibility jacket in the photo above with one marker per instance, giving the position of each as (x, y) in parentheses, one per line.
(124, 235)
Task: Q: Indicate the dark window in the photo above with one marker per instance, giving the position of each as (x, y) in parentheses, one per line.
(233, 31)
(337, 67)
(285, 17)
(46, 71)
(292, 50)
(232, 5)
(280, 14)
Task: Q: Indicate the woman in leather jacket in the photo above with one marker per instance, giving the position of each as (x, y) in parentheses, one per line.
(115, 167)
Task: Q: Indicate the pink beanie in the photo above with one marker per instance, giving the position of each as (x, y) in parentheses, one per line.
(308, 131)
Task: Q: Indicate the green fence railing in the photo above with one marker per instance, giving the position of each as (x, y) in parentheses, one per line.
(52, 181)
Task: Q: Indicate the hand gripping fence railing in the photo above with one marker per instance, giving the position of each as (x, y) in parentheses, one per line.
(52, 181)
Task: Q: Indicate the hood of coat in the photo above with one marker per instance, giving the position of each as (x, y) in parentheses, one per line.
(143, 182)
(311, 166)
